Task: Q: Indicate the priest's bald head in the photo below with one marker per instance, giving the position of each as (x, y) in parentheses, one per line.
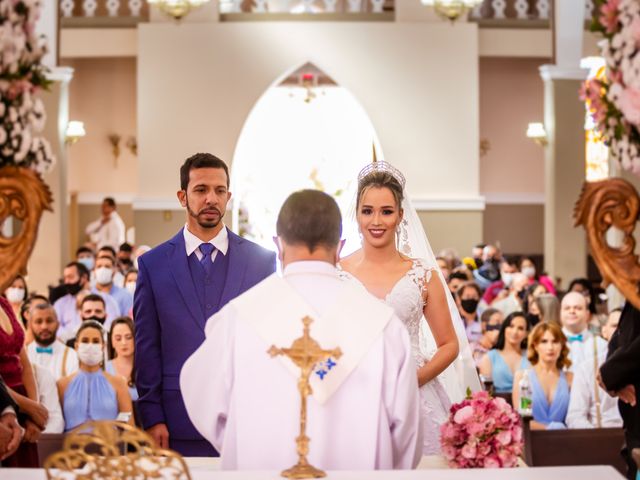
(309, 227)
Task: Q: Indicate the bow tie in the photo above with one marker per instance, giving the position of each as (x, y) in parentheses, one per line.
(575, 338)
(44, 350)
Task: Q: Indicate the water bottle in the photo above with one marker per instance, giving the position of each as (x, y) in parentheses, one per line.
(525, 393)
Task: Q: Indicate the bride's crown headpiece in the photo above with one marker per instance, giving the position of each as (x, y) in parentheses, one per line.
(382, 166)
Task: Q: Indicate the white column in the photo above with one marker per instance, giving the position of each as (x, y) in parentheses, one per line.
(51, 251)
(47, 25)
(569, 32)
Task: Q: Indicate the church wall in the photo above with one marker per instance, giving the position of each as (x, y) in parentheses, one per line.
(511, 96)
(103, 96)
(421, 98)
(459, 230)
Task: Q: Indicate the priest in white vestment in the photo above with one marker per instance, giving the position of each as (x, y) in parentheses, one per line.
(363, 413)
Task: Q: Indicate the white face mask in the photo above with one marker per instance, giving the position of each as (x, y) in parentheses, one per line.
(507, 278)
(530, 272)
(104, 275)
(15, 295)
(90, 353)
(131, 287)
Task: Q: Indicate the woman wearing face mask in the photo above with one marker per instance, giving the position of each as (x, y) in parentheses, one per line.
(121, 352)
(549, 355)
(529, 269)
(91, 393)
(17, 293)
(549, 307)
(491, 320)
(529, 306)
(509, 354)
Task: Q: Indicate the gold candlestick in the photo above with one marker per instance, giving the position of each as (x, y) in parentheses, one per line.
(305, 352)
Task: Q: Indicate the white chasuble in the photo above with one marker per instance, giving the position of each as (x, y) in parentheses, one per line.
(363, 413)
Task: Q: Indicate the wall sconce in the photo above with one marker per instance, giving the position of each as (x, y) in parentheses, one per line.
(132, 145)
(114, 140)
(75, 131)
(537, 133)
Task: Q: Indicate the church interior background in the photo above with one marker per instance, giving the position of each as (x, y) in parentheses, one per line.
(297, 97)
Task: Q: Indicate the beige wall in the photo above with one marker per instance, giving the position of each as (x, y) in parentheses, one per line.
(103, 96)
(511, 96)
(156, 226)
(413, 90)
(457, 230)
(518, 228)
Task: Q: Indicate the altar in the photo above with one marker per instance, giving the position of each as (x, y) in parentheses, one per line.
(200, 471)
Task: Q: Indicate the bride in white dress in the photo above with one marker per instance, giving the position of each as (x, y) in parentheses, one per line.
(414, 288)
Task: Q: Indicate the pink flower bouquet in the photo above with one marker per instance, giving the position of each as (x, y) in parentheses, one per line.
(482, 432)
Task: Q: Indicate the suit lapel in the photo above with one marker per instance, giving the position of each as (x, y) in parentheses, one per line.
(236, 269)
(178, 264)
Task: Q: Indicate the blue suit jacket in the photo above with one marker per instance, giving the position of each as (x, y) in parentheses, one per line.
(170, 323)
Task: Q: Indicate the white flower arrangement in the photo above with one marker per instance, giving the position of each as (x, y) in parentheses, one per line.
(22, 75)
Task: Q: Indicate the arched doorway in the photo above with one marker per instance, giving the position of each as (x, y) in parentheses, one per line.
(306, 131)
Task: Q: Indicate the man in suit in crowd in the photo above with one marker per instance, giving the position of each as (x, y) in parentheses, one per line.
(10, 431)
(181, 283)
(620, 376)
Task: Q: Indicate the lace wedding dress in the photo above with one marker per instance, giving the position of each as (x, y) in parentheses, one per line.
(406, 299)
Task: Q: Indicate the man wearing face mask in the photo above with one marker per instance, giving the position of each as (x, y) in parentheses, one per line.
(76, 278)
(500, 288)
(87, 257)
(105, 270)
(468, 297)
(46, 350)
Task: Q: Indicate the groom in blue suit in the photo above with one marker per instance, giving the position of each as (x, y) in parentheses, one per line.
(181, 284)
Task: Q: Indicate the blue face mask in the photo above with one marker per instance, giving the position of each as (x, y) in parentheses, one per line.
(88, 262)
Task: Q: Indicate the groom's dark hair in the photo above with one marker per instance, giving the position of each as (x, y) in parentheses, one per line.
(311, 218)
(200, 160)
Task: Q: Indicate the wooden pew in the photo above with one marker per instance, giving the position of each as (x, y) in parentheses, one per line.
(47, 444)
(552, 448)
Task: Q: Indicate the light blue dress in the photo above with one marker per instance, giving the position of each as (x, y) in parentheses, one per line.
(89, 396)
(501, 374)
(551, 415)
(133, 392)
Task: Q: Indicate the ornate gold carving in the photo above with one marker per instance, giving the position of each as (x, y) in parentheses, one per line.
(113, 450)
(602, 205)
(24, 196)
(305, 352)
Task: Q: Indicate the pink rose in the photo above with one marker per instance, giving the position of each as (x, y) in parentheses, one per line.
(463, 415)
(468, 451)
(491, 462)
(630, 105)
(504, 437)
(634, 30)
(609, 15)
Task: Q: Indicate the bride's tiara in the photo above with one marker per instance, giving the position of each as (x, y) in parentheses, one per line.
(382, 167)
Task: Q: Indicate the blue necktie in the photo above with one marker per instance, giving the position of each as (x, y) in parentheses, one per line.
(206, 249)
(44, 350)
(575, 338)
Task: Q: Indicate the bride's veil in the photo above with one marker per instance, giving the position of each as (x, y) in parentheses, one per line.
(461, 374)
(413, 242)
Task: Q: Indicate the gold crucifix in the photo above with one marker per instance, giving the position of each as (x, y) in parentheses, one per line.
(305, 352)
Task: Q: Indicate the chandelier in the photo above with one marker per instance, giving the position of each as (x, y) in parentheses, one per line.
(452, 9)
(177, 8)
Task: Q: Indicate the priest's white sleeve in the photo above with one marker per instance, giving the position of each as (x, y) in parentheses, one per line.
(401, 396)
(206, 378)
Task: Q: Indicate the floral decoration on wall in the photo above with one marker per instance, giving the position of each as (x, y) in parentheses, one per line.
(22, 75)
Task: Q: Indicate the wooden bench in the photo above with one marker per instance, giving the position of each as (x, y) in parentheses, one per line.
(589, 446)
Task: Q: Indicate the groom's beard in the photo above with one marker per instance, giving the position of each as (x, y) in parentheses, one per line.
(200, 216)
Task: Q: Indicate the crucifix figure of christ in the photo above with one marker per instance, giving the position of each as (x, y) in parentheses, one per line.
(305, 352)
